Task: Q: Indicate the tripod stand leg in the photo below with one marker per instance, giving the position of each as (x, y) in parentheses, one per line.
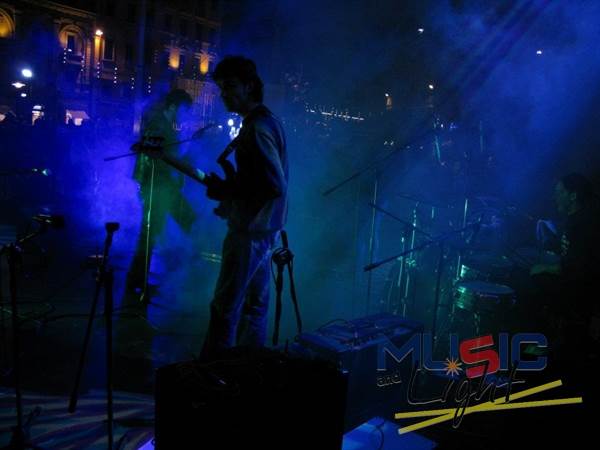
(4, 355)
(438, 281)
(86, 340)
(19, 439)
(12, 262)
(108, 310)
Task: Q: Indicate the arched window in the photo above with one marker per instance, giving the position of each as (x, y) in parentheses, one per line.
(7, 26)
(71, 38)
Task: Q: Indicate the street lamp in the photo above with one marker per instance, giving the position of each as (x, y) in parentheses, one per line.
(18, 84)
(99, 32)
(27, 73)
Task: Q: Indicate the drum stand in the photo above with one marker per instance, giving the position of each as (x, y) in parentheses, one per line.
(399, 287)
(372, 243)
(406, 258)
(408, 262)
(440, 240)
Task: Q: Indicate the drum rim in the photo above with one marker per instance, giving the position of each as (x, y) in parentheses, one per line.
(505, 290)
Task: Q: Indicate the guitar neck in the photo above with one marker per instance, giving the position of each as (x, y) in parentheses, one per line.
(186, 169)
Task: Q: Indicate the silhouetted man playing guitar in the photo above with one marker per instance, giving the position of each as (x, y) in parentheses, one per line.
(253, 199)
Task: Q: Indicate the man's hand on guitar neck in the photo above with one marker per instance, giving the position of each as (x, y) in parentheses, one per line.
(151, 146)
(217, 188)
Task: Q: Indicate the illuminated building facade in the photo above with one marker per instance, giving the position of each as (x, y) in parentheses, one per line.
(93, 58)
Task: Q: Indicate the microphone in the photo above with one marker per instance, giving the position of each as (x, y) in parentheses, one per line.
(111, 227)
(50, 220)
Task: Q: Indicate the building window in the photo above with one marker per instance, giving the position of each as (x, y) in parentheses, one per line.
(71, 42)
(109, 49)
(131, 13)
(204, 64)
(7, 27)
(174, 58)
(168, 22)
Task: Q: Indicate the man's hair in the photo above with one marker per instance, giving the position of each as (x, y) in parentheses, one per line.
(178, 97)
(579, 185)
(244, 70)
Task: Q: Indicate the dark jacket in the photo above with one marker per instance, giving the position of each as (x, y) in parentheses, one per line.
(258, 203)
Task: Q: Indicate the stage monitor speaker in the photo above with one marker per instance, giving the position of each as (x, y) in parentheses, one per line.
(250, 399)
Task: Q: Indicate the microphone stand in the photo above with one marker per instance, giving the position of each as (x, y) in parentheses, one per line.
(375, 166)
(409, 226)
(19, 439)
(403, 273)
(439, 240)
(104, 279)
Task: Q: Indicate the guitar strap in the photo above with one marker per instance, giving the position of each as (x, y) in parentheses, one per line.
(283, 257)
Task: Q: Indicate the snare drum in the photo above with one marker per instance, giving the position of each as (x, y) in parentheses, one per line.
(482, 297)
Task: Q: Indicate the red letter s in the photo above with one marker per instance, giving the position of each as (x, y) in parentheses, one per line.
(468, 356)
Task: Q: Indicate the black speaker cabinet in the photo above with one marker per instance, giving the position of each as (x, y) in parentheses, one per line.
(250, 399)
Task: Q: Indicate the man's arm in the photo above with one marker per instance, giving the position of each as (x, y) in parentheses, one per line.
(185, 168)
(181, 166)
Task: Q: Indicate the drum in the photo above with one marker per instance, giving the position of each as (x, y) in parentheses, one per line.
(482, 297)
(485, 268)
